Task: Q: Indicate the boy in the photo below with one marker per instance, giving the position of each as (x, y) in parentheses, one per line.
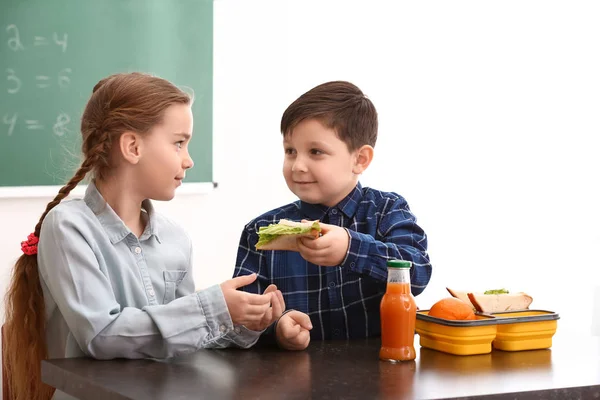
(334, 282)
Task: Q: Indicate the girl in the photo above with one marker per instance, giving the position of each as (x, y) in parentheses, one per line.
(106, 276)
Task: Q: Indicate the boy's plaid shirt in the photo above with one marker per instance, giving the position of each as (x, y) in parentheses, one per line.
(343, 301)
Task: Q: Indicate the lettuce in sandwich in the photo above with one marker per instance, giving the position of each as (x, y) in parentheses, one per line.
(284, 235)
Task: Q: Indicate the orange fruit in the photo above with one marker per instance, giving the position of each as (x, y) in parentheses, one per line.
(452, 308)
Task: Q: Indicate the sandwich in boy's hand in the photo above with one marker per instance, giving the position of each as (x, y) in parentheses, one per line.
(284, 235)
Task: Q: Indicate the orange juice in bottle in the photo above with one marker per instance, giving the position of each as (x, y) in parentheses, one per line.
(398, 314)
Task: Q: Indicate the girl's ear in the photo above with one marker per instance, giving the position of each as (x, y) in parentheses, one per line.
(364, 156)
(130, 146)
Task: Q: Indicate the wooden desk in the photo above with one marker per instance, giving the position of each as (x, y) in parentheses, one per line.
(339, 370)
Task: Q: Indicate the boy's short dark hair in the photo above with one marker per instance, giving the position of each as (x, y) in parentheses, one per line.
(340, 106)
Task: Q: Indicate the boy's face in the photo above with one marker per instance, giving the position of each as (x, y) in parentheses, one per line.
(318, 167)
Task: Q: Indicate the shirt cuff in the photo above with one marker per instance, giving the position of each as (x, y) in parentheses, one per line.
(215, 310)
(219, 320)
(358, 251)
(243, 337)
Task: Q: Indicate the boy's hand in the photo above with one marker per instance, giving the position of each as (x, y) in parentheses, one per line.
(328, 250)
(248, 309)
(293, 331)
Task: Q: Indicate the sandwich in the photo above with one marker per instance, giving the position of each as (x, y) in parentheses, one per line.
(493, 301)
(461, 296)
(284, 235)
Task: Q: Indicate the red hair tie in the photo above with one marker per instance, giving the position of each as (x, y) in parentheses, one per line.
(29, 246)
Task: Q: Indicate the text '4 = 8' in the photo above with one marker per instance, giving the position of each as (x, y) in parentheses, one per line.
(60, 126)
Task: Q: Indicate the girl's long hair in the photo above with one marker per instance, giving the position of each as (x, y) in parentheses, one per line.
(123, 102)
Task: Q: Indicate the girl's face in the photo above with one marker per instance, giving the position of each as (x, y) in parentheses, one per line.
(166, 154)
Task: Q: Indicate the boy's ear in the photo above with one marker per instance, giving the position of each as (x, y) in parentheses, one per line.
(364, 156)
(130, 146)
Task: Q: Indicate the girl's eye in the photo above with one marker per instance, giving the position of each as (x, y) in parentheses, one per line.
(179, 144)
(289, 151)
(316, 152)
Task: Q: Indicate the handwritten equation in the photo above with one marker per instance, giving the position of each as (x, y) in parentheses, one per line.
(62, 80)
(15, 43)
(59, 127)
(16, 81)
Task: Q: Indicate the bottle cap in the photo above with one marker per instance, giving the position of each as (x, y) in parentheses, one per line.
(399, 264)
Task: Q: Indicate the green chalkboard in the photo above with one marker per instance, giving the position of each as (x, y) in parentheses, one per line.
(52, 53)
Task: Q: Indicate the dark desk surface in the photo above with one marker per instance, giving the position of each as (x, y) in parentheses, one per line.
(339, 370)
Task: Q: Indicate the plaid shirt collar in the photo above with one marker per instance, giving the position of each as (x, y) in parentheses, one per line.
(348, 205)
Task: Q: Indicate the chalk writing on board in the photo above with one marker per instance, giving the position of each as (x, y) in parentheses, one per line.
(63, 77)
(40, 41)
(14, 43)
(59, 128)
(14, 80)
(42, 81)
(33, 124)
(61, 42)
(63, 80)
(11, 122)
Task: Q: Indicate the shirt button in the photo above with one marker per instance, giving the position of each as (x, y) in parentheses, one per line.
(238, 330)
(138, 250)
(223, 328)
(334, 211)
(336, 332)
(151, 292)
(352, 264)
(331, 284)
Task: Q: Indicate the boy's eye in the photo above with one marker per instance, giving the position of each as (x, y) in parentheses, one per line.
(179, 144)
(316, 152)
(289, 151)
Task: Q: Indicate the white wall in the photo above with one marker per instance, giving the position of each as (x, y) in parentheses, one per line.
(488, 111)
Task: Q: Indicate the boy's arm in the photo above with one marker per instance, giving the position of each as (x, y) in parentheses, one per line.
(400, 238)
(249, 260)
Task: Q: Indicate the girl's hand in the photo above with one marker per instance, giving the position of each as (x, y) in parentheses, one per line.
(247, 308)
(273, 313)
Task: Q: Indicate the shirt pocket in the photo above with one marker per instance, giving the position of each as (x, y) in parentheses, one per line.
(172, 279)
